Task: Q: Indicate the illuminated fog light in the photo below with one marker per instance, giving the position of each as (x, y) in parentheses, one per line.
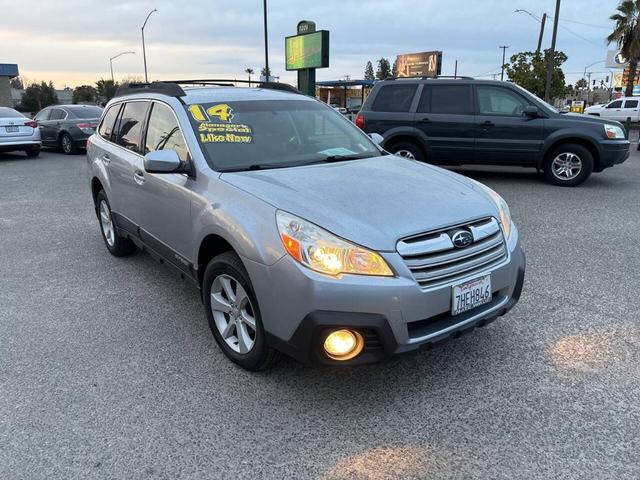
(343, 344)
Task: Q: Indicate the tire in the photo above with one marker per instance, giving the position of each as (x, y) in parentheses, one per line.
(569, 156)
(117, 245)
(32, 152)
(407, 150)
(66, 144)
(225, 272)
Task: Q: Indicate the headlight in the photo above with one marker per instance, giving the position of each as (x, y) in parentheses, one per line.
(613, 132)
(503, 208)
(323, 252)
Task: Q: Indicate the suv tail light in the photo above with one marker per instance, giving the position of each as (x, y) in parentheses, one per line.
(31, 124)
(360, 121)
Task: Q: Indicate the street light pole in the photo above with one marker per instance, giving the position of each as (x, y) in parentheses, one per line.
(544, 20)
(504, 50)
(552, 53)
(111, 62)
(144, 52)
(266, 43)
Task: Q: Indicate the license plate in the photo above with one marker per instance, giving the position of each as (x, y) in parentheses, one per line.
(12, 129)
(471, 294)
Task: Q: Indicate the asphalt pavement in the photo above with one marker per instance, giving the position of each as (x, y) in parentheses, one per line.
(108, 369)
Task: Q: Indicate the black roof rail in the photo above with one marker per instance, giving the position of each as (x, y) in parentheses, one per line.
(229, 82)
(171, 89)
(431, 77)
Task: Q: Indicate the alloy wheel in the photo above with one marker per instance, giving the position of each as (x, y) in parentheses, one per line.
(107, 224)
(233, 313)
(66, 144)
(566, 166)
(406, 154)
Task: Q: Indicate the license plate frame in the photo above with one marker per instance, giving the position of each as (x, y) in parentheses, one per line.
(12, 129)
(468, 295)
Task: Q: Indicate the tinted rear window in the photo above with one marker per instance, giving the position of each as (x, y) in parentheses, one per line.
(631, 104)
(6, 112)
(394, 98)
(451, 99)
(85, 112)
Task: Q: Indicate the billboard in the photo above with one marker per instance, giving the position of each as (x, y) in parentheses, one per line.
(310, 50)
(422, 64)
(615, 59)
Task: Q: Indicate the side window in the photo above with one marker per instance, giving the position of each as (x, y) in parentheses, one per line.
(394, 98)
(631, 104)
(451, 99)
(163, 132)
(57, 114)
(129, 132)
(43, 116)
(616, 104)
(499, 101)
(106, 127)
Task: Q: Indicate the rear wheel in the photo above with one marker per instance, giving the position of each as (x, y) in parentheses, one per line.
(233, 313)
(568, 165)
(66, 144)
(33, 152)
(407, 150)
(117, 245)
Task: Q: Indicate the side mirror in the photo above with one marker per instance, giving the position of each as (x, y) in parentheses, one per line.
(531, 111)
(162, 161)
(377, 138)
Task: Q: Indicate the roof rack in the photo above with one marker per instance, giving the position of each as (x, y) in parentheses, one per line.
(431, 77)
(229, 82)
(171, 89)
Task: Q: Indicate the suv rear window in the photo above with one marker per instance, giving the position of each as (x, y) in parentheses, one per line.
(451, 99)
(394, 98)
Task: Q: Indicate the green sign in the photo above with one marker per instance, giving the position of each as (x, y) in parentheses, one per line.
(307, 51)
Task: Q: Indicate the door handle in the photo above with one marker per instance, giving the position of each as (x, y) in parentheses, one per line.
(106, 159)
(138, 176)
(424, 120)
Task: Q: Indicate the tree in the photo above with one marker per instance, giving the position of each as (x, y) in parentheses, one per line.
(17, 83)
(368, 72)
(529, 70)
(626, 35)
(85, 94)
(249, 71)
(37, 96)
(384, 68)
(106, 89)
(266, 73)
(394, 68)
(581, 84)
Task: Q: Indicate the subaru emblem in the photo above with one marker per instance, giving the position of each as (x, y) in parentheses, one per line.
(462, 239)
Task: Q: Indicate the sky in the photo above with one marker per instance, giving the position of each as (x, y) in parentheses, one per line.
(70, 41)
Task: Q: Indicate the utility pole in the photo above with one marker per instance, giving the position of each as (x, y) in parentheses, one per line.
(455, 71)
(552, 53)
(144, 52)
(544, 19)
(504, 51)
(266, 43)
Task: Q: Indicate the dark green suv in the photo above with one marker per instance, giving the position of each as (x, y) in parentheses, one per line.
(461, 121)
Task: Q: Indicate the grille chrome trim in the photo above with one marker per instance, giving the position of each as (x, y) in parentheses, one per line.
(432, 264)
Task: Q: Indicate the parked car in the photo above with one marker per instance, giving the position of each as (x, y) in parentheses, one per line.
(303, 235)
(67, 127)
(466, 121)
(18, 133)
(620, 109)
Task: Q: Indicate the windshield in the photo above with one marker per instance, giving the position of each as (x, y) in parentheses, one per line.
(275, 133)
(550, 107)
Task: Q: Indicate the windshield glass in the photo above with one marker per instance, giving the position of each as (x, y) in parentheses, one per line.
(527, 92)
(275, 133)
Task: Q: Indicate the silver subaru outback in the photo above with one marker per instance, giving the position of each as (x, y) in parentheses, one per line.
(303, 235)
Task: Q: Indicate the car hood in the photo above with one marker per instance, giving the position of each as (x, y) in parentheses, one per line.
(373, 202)
(580, 117)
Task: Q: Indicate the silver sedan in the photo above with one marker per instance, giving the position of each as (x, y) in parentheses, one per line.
(18, 132)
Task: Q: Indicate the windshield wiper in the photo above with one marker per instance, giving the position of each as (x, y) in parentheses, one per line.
(340, 158)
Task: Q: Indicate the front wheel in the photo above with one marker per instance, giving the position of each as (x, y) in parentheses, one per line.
(407, 150)
(568, 165)
(233, 313)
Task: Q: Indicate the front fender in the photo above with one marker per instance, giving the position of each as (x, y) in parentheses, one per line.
(568, 135)
(406, 131)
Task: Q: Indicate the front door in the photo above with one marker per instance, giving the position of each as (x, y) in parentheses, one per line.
(164, 200)
(504, 135)
(613, 110)
(445, 115)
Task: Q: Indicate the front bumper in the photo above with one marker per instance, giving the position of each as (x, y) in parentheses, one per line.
(394, 315)
(613, 152)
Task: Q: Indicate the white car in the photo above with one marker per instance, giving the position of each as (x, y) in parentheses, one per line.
(18, 132)
(620, 109)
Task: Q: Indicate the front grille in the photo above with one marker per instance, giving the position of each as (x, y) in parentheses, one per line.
(434, 260)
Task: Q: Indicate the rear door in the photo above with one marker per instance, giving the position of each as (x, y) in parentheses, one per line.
(164, 200)
(630, 110)
(504, 134)
(445, 115)
(391, 107)
(125, 160)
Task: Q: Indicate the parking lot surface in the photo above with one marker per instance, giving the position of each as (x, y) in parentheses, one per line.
(109, 370)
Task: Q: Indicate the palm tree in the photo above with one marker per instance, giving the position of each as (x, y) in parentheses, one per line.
(626, 35)
(249, 71)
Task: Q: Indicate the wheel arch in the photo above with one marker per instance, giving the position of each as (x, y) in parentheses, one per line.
(582, 141)
(210, 246)
(414, 136)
